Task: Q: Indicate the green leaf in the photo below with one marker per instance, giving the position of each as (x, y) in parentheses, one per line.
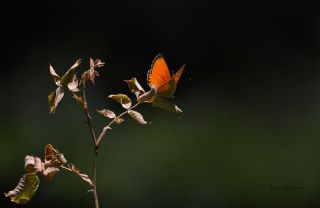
(107, 113)
(135, 87)
(123, 99)
(137, 116)
(25, 189)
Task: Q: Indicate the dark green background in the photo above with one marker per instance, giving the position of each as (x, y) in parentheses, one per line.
(251, 109)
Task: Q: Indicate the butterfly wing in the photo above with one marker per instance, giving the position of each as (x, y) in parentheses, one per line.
(159, 73)
(178, 74)
(168, 89)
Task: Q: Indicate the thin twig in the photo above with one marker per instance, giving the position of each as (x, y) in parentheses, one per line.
(95, 150)
(112, 122)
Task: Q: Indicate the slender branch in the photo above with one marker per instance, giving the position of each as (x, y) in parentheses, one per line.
(112, 122)
(95, 150)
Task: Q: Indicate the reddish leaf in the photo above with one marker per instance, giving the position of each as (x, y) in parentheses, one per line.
(91, 73)
(53, 155)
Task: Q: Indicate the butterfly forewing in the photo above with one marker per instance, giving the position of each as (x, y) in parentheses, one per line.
(159, 73)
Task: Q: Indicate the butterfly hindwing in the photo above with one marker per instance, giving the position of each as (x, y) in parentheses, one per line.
(178, 74)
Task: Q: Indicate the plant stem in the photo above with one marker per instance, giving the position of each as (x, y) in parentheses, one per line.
(112, 122)
(95, 150)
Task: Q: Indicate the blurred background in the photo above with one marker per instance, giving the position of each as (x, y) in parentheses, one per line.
(249, 133)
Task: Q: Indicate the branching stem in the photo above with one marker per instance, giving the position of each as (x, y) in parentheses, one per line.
(112, 122)
(96, 142)
(95, 150)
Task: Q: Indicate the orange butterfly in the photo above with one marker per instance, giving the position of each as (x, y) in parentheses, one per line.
(162, 84)
(159, 77)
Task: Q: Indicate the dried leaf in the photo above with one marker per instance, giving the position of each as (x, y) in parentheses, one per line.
(49, 172)
(69, 75)
(25, 189)
(51, 98)
(98, 63)
(135, 87)
(80, 101)
(83, 176)
(165, 104)
(53, 155)
(104, 130)
(29, 163)
(137, 116)
(86, 178)
(107, 113)
(123, 99)
(91, 73)
(119, 120)
(73, 85)
(55, 76)
(32, 164)
(54, 98)
(38, 167)
(147, 97)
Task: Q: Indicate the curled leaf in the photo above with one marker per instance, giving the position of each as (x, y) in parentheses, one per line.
(54, 98)
(137, 116)
(25, 189)
(107, 113)
(55, 76)
(118, 120)
(103, 132)
(135, 87)
(32, 164)
(123, 99)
